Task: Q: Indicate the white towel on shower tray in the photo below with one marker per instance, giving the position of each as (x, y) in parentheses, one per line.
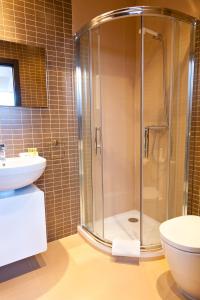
(129, 248)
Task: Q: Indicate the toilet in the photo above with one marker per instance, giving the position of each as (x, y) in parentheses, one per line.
(180, 238)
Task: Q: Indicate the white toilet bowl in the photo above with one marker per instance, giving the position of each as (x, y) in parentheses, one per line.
(181, 241)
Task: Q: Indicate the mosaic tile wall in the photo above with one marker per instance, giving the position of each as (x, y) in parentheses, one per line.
(47, 23)
(194, 167)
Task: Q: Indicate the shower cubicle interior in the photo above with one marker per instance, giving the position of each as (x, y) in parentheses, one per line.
(133, 84)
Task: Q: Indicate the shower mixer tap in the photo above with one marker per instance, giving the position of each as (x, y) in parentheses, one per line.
(146, 142)
(146, 136)
(97, 140)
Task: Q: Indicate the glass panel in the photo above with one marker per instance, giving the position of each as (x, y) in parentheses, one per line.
(165, 122)
(88, 92)
(157, 72)
(97, 180)
(120, 95)
(7, 94)
(179, 119)
(84, 114)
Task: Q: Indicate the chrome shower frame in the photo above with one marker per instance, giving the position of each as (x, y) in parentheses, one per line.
(107, 17)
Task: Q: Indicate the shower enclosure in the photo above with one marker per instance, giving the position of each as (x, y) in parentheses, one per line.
(134, 73)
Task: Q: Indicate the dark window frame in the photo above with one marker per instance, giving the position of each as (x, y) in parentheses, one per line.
(16, 78)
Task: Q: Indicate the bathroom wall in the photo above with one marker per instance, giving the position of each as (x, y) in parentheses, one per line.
(84, 11)
(53, 131)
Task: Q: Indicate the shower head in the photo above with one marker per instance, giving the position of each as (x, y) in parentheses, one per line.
(154, 34)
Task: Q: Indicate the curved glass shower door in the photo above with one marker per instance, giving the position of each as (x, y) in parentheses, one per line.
(90, 136)
(120, 61)
(109, 113)
(165, 77)
(133, 76)
(157, 70)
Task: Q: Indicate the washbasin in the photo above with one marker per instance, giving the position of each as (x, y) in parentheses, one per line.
(18, 172)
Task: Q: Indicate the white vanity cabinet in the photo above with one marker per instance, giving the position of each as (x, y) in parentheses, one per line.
(22, 224)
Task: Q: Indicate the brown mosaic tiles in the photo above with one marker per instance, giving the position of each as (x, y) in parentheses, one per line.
(194, 166)
(47, 23)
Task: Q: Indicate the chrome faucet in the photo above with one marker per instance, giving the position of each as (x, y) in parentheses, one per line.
(2, 152)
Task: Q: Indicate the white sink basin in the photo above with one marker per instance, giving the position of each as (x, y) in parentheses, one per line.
(18, 172)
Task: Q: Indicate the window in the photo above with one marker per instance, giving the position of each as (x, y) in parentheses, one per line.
(9, 82)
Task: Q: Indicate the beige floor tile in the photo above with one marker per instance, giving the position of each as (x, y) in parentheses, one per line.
(73, 270)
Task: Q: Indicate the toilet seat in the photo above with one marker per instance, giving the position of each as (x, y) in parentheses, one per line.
(182, 233)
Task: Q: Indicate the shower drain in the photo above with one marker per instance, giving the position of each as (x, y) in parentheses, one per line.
(133, 220)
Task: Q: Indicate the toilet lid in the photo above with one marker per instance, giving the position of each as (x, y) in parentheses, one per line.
(182, 233)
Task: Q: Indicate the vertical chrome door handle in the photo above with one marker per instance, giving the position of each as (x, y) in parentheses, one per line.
(97, 140)
(146, 142)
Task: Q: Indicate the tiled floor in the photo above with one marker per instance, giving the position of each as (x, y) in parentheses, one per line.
(72, 270)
